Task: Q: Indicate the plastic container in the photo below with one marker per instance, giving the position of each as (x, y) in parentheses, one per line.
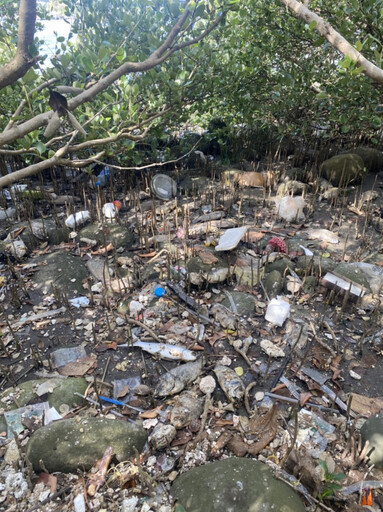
(110, 210)
(277, 311)
(159, 291)
(77, 219)
(164, 187)
(231, 239)
(103, 177)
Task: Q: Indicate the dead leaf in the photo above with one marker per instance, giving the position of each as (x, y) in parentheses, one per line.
(49, 480)
(221, 442)
(366, 406)
(207, 257)
(182, 437)
(303, 398)
(123, 392)
(254, 236)
(265, 428)
(104, 250)
(151, 413)
(148, 255)
(101, 467)
(238, 446)
(106, 345)
(80, 367)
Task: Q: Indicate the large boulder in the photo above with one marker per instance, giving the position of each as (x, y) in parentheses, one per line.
(62, 270)
(69, 445)
(343, 169)
(119, 236)
(372, 158)
(243, 485)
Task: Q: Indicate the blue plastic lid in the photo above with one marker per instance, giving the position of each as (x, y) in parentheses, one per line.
(159, 291)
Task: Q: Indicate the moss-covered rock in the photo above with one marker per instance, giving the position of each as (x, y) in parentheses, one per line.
(119, 236)
(341, 170)
(372, 431)
(69, 445)
(273, 283)
(372, 158)
(62, 270)
(234, 484)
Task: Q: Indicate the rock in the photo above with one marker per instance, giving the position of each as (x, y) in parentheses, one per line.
(16, 484)
(118, 235)
(246, 269)
(234, 484)
(69, 445)
(99, 270)
(271, 349)
(346, 168)
(273, 283)
(12, 455)
(162, 436)
(187, 407)
(372, 158)
(129, 504)
(372, 431)
(353, 273)
(64, 271)
(280, 265)
(199, 272)
(316, 262)
(244, 303)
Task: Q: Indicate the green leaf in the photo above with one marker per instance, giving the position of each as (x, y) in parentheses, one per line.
(312, 25)
(359, 46)
(41, 148)
(179, 508)
(30, 76)
(60, 39)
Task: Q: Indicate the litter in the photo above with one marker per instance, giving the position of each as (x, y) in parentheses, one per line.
(169, 352)
(77, 219)
(231, 238)
(277, 311)
(332, 280)
(77, 302)
(164, 187)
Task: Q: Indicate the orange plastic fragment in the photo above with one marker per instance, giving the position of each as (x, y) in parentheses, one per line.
(367, 497)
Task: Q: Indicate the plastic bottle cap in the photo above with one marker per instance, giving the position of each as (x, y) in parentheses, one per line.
(117, 204)
(159, 291)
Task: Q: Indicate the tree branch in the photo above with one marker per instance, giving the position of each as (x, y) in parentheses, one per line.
(155, 58)
(23, 60)
(336, 40)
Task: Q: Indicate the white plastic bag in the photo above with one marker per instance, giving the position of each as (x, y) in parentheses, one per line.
(277, 311)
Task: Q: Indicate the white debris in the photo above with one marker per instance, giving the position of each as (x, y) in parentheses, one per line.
(290, 208)
(271, 349)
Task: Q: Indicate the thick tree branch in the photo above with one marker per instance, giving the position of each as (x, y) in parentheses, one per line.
(336, 40)
(23, 60)
(166, 49)
(56, 159)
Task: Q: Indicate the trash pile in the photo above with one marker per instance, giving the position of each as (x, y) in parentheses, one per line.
(202, 344)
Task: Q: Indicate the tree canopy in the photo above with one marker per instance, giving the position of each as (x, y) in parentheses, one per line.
(147, 67)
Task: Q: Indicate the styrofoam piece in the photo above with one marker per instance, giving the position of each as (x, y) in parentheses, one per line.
(230, 239)
(277, 311)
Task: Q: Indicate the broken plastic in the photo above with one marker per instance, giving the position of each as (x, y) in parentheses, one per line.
(277, 311)
(110, 210)
(77, 302)
(331, 280)
(230, 239)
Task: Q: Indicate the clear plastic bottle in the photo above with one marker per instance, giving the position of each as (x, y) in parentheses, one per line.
(103, 177)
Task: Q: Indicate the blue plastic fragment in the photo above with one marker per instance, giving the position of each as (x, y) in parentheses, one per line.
(111, 400)
(159, 291)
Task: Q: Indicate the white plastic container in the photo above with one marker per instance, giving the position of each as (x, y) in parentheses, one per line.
(230, 239)
(277, 311)
(110, 210)
(77, 219)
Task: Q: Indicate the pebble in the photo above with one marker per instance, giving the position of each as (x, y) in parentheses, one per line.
(207, 384)
(129, 504)
(259, 395)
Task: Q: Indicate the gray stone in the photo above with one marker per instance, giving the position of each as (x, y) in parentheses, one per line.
(273, 283)
(244, 303)
(281, 265)
(372, 158)
(343, 169)
(372, 431)
(234, 485)
(62, 270)
(353, 273)
(316, 263)
(69, 445)
(200, 273)
(99, 270)
(119, 236)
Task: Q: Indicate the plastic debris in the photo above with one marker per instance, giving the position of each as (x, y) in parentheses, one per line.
(159, 291)
(230, 239)
(277, 311)
(77, 219)
(164, 187)
(110, 210)
(290, 208)
(331, 280)
(77, 302)
(63, 356)
(14, 418)
(103, 177)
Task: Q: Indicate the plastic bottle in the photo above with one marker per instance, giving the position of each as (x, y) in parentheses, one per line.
(103, 177)
(77, 219)
(110, 210)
